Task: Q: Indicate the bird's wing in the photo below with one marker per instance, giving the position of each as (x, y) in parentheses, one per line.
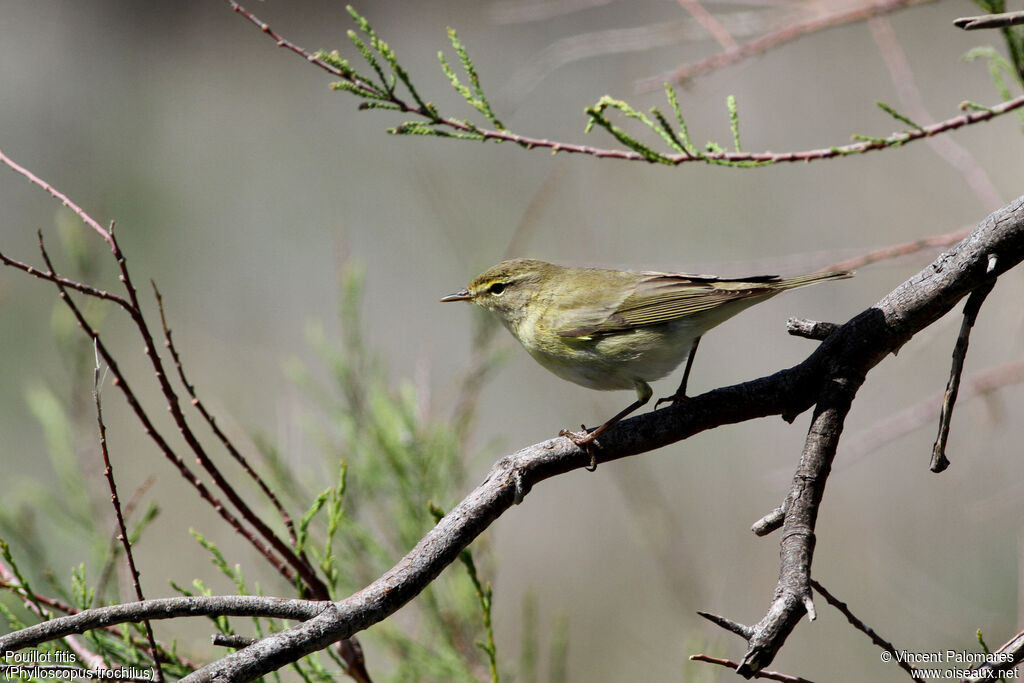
(664, 297)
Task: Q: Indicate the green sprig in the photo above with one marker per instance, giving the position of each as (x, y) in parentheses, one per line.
(902, 118)
(388, 54)
(472, 93)
(734, 120)
(596, 113)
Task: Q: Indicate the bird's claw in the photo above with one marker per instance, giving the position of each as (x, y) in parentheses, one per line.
(673, 399)
(585, 440)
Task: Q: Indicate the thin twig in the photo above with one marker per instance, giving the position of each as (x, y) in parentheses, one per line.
(742, 630)
(35, 180)
(232, 640)
(923, 412)
(709, 22)
(299, 564)
(19, 590)
(67, 282)
(229, 446)
(132, 306)
(865, 629)
(770, 522)
(767, 675)
(990, 21)
(939, 461)
(121, 382)
(92, 659)
(951, 151)
(772, 40)
(810, 329)
(898, 250)
(108, 566)
(115, 501)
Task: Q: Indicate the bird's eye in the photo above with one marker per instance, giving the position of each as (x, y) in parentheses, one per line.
(497, 288)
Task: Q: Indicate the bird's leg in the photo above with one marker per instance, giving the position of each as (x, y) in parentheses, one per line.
(584, 439)
(680, 394)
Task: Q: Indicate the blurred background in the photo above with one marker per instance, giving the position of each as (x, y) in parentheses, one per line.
(243, 186)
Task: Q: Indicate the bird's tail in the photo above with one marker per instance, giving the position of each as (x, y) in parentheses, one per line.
(812, 278)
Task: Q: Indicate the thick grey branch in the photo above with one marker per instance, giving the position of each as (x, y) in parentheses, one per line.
(852, 352)
(163, 608)
(829, 377)
(849, 353)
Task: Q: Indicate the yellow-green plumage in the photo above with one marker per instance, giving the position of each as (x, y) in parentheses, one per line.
(613, 329)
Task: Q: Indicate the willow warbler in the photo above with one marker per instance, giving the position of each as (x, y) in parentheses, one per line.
(615, 329)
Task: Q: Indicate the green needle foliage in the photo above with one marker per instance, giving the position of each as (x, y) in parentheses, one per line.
(999, 70)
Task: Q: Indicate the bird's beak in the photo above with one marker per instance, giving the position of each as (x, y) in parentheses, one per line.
(464, 295)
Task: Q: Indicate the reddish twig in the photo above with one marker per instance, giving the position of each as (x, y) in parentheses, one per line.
(129, 507)
(772, 40)
(895, 251)
(134, 309)
(767, 675)
(67, 282)
(710, 23)
(154, 434)
(286, 561)
(229, 446)
(860, 147)
(115, 501)
(865, 629)
(35, 180)
(951, 151)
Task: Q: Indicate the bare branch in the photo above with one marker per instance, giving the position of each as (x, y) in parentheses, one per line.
(810, 329)
(115, 501)
(948, 149)
(709, 22)
(899, 250)
(939, 462)
(923, 412)
(773, 40)
(770, 522)
(741, 630)
(990, 21)
(32, 178)
(765, 675)
(163, 608)
(865, 629)
(229, 446)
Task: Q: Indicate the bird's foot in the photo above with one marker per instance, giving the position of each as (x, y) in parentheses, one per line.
(585, 440)
(673, 399)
